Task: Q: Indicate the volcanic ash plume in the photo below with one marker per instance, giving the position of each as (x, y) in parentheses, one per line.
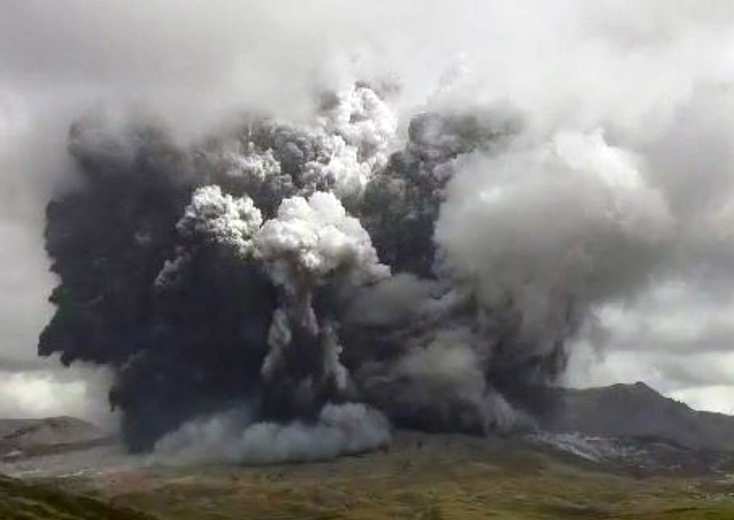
(310, 244)
(283, 291)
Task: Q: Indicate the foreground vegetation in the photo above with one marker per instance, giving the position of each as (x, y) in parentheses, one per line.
(22, 501)
(419, 479)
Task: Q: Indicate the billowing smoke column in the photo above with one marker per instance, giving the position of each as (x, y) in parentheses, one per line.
(296, 286)
(310, 244)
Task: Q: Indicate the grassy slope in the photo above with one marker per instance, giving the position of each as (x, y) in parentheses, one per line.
(22, 501)
(432, 482)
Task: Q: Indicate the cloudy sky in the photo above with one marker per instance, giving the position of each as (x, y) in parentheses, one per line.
(656, 76)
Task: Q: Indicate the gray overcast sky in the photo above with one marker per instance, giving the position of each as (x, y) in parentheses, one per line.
(655, 75)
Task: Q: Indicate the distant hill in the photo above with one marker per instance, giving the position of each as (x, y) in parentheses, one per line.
(635, 410)
(19, 437)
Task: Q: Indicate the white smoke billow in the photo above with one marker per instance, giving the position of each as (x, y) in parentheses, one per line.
(315, 238)
(309, 243)
(567, 224)
(291, 228)
(229, 438)
(228, 221)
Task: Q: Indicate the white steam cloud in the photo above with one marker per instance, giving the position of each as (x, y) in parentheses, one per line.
(566, 225)
(230, 437)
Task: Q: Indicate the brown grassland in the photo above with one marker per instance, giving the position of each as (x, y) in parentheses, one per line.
(420, 477)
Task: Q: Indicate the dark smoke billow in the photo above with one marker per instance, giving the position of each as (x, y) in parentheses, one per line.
(300, 285)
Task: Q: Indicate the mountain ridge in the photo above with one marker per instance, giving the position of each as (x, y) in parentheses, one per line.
(634, 410)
